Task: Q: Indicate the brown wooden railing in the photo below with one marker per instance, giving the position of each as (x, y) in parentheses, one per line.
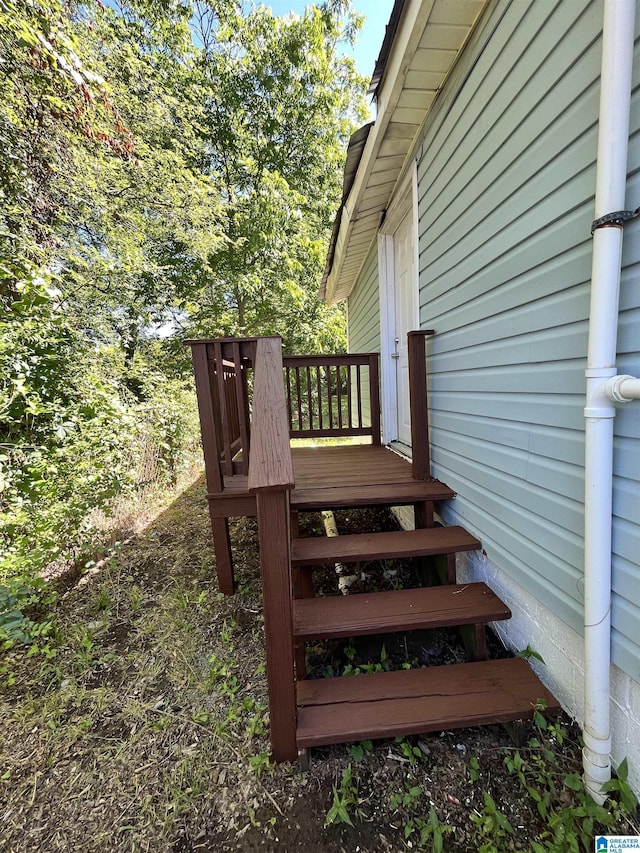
(271, 480)
(221, 370)
(325, 395)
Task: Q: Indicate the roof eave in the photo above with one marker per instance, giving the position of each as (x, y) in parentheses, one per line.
(402, 112)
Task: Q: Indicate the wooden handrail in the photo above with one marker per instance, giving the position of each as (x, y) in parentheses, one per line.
(270, 465)
(343, 360)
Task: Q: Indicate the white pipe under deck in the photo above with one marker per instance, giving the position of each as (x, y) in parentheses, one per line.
(604, 387)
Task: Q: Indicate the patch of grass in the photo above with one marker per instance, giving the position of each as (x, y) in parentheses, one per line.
(144, 727)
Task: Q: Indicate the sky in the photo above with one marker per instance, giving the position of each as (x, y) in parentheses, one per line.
(377, 14)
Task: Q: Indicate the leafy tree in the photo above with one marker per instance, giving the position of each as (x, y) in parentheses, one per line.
(169, 165)
(50, 100)
(281, 104)
(61, 431)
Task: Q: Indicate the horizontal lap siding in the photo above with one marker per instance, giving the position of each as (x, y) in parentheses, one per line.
(363, 311)
(506, 174)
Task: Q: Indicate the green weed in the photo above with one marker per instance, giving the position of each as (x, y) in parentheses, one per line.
(358, 750)
(408, 799)
(260, 762)
(410, 752)
(430, 833)
(345, 801)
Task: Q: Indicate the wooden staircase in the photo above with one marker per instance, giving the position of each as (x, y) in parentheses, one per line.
(314, 712)
(387, 704)
(306, 712)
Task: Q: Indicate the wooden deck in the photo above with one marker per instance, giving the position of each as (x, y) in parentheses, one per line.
(335, 476)
(253, 470)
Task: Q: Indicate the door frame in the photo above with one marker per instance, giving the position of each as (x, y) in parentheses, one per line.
(405, 201)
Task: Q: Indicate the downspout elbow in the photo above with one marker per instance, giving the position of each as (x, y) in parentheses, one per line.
(623, 389)
(605, 387)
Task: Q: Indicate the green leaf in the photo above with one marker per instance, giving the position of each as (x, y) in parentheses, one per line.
(623, 770)
(574, 782)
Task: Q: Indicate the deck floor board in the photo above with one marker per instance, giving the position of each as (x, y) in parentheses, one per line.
(341, 476)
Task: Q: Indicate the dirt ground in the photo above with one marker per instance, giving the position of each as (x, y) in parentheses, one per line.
(141, 723)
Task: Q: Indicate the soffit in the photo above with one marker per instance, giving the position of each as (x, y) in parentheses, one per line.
(428, 38)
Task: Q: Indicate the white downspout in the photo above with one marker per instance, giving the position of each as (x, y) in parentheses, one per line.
(604, 387)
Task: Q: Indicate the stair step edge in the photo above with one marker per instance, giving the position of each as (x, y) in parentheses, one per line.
(341, 710)
(402, 544)
(393, 494)
(398, 610)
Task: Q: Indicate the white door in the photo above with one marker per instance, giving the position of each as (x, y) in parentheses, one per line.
(405, 319)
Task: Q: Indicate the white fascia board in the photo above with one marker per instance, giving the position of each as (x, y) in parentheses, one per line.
(414, 19)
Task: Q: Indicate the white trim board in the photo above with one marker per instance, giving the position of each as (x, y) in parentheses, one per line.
(404, 202)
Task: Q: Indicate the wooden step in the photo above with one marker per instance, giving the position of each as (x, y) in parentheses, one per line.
(400, 544)
(392, 494)
(390, 704)
(399, 610)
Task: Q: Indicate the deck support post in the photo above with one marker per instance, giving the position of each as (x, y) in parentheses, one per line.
(423, 514)
(451, 568)
(222, 551)
(275, 569)
(418, 404)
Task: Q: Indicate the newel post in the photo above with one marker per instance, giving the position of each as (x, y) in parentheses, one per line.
(418, 403)
(275, 569)
(271, 479)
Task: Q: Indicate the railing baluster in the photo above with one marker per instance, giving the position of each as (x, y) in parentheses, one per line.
(329, 401)
(359, 395)
(289, 406)
(244, 376)
(349, 400)
(227, 463)
(319, 387)
(309, 397)
(232, 406)
(339, 395)
(299, 398)
(243, 422)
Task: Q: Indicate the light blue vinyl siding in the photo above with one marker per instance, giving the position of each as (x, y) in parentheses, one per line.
(506, 175)
(363, 312)
(363, 307)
